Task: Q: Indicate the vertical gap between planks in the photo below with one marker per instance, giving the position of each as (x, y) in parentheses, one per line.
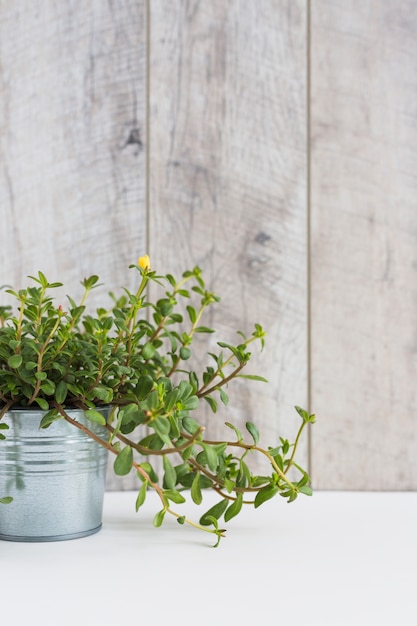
(147, 124)
(308, 227)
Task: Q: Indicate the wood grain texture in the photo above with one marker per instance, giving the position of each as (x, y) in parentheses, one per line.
(228, 185)
(72, 132)
(364, 244)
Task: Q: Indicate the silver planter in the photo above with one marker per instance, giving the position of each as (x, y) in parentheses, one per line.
(56, 477)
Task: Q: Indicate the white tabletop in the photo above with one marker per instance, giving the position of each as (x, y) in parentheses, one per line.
(333, 559)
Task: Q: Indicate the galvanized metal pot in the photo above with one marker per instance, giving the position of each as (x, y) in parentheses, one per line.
(55, 475)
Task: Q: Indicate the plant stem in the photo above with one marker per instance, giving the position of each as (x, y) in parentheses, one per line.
(40, 358)
(205, 392)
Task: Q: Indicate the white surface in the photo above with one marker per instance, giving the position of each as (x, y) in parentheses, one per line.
(333, 559)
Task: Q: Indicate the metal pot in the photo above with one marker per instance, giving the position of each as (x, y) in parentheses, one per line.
(56, 477)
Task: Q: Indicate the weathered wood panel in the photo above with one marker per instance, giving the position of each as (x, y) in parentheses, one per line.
(364, 244)
(72, 130)
(228, 183)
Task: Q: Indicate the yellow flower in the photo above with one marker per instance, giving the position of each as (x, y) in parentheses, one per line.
(144, 262)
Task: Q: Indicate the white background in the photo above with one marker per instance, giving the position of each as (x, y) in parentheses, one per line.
(334, 559)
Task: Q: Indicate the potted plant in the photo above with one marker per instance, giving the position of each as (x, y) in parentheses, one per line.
(76, 386)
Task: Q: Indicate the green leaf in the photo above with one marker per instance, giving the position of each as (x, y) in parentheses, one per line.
(31, 365)
(237, 431)
(174, 495)
(203, 329)
(190, 425)
(252, 429)
(88, 283)
(15, 361)
(95, 416)
(302, 413)
(48, 387)
(124, 461)
(103, 393)
(253, 377)
(196, 490)
(212, 402)
(235, 508)
(148, 351)
(192, 314)
(165, 306)
(162, 426)
(215, 511)
(42, 403)
(141, 495)
(211, 455)
(279, 461)
(306, 490)
(191, 403)
(49, 418)
(144, 387)
(147, 467)
(224, 397)
(159, 518)
(6, 500)
(170, 475)
(61, 392)
(185, 353)
(266, 493)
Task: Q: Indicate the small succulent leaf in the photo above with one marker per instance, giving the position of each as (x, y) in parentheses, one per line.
(42, 403)
(95, 416)
(224, 397)
(61, 391)
(215, 511)
(192, 314)
(148, 351)
(123, 462)
(211, 455)
(237, 431)
(252, 429)
(190, 425)
(144, 387)
(185, 353)
(141, 495)
(174, 496)
(170, 475)
(196, 490)
(159, 518)
(15, 361)
(6, 500)
(302, 413)
(266, 493)
(253, 377)
(212, 402)
(49, 418)
(235, 508)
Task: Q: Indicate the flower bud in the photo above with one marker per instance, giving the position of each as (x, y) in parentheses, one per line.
(144, 262)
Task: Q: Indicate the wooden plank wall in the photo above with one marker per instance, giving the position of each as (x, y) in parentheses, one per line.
(271, 142)
(228, 184)
(364, 243)
(72, 137)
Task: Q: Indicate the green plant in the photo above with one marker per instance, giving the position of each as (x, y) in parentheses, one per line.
(134, 356)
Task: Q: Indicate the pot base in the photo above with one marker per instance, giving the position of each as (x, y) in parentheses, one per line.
(28, 539)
